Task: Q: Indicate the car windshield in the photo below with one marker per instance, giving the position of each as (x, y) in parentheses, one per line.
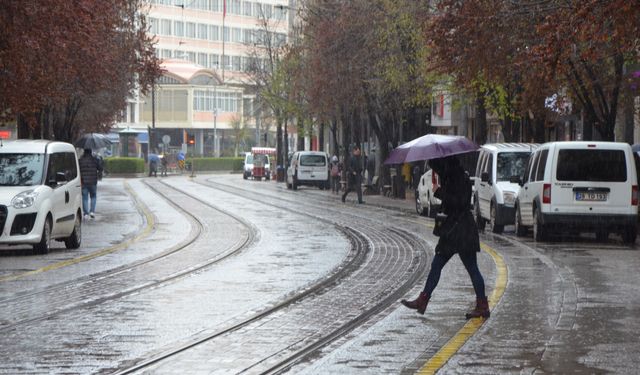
(511, 164)
(260, 158)
(313, 160)
(249, 159)
(21, 169)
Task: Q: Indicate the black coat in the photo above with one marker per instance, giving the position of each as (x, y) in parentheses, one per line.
(455, 194)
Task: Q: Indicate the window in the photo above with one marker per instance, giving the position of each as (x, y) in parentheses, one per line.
(247, 8)
(530, 174)
(214, 32)
(226, 62)
(165, 27)
(214, 61)
(166, 53)
(511, 164)
(313, 160)
(191, 56)
(154, 29)
(203, 59)
(202, 31)
(70, 168)
(268, 10)
(132, 112)
(542, 164)
(191, 30)
(21, 169)
(591, 165)
(235, 63)
(489, 167)
(236, 35)
(234, 6)
(226, 34)
(248, 36)
(280, 12)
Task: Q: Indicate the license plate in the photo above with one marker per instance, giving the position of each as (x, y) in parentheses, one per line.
(591, 197)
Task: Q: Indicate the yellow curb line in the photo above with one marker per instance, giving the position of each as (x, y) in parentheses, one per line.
(145, 232)
(472, 326)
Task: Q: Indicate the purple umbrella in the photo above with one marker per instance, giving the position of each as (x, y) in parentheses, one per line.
(430, 146)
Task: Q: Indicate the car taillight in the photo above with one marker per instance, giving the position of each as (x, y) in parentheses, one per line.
(546, 193)
(634, 195)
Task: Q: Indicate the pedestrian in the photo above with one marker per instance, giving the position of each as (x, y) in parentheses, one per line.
(335, 174)
(417, 173)
(371, 167)
(458, 234)
(354, 173)
(163, 164)
(154, 160)
(90, 168)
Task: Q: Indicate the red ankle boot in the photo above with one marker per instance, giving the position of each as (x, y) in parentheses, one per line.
(419, 303)
(481, 310)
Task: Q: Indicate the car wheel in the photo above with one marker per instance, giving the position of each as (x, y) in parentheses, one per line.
(480, 222)
(419, 209)
(539, 231)
(629, 234)
(521, 231)
(44, 245)
(495, 228)
(74, 240)
(244, 175)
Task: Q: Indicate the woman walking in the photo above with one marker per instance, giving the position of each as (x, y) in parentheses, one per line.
(458, 234)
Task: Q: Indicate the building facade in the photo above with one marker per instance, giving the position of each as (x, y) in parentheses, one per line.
(205, 102)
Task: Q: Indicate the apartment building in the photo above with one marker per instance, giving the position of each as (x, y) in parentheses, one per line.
(206, 49)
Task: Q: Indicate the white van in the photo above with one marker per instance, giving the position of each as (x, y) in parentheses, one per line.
(308, 168)
(579, 186)
(40, 194)
(495, 193)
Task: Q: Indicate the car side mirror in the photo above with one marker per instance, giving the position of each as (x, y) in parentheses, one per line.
(484, 177)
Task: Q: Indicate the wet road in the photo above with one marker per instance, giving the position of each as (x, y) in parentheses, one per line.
(170, 267)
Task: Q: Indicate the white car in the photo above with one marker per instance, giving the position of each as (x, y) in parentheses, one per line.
(309, 168)
(40, 194)
(579, 187)
(426, 203)
(495, 193)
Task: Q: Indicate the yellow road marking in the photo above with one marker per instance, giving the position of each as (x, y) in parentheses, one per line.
(452, 346)
(145, 232)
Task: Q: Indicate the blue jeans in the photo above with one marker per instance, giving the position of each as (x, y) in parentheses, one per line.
(89, 190)
(470, 262)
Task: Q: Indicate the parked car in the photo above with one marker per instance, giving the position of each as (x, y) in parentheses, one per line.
(309, 168)
(579, 186)
(495, 194)
(426, 203)
(40, 194)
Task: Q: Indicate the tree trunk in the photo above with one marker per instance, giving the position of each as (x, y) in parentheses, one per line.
(481, 120)
(321, 137)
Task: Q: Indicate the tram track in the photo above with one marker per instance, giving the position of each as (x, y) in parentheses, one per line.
(106, 286)
(364, 239)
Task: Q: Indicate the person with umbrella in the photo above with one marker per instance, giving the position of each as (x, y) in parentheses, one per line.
(90, 168)
(458, 234)
(154, 160)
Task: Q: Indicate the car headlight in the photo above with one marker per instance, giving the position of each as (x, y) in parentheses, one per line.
(509, 198)
(24, 199)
